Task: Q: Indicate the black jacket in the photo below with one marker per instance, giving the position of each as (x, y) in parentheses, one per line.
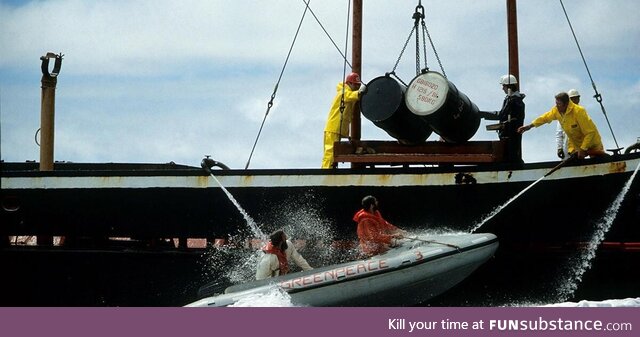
(511, 115)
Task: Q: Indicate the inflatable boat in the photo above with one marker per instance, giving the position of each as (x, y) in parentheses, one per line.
(412, 273)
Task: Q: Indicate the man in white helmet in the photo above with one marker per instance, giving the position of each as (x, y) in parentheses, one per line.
(561, 137)
(511, 117)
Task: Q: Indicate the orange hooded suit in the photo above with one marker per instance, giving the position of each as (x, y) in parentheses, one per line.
(375, 233)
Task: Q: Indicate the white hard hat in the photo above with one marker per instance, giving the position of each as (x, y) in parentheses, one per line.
(508, 79)
(573, 93)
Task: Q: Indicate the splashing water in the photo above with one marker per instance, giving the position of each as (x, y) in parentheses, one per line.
(570, 285)
(252, 224)
(275, 297)
(500, 208)
(300, 217)
(314, 236)
(233, 263)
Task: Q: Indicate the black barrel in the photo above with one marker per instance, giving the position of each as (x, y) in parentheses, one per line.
(383, 103)
(447, 110)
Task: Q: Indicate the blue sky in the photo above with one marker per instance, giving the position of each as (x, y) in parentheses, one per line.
(161, 81)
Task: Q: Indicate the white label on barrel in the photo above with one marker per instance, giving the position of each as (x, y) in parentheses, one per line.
(426, 93)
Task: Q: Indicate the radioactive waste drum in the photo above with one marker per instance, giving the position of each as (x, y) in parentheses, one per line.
(383, 103)
(448, 111)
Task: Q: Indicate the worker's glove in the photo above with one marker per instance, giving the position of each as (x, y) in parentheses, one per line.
(561, 153)
(362, 89)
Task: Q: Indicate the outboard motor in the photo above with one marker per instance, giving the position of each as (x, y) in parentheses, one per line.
(383, 103)
(207, 164)
(448, 111)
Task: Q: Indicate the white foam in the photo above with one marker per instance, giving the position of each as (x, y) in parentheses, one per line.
(626, 302)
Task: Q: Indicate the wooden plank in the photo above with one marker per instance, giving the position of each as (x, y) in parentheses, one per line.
(415, 158)
(391, 152)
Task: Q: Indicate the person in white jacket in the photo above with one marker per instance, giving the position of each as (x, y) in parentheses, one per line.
(277, 254)
(561, 137)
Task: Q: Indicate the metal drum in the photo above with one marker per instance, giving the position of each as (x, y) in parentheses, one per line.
(448, 111)
(383, 104)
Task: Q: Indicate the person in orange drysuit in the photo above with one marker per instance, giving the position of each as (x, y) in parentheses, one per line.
(376, 234)
(338, 124)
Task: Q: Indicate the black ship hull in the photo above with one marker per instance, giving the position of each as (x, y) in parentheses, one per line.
(88, 204)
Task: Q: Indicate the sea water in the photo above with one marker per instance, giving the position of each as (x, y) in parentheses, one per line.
(311, 234)
(584, 262)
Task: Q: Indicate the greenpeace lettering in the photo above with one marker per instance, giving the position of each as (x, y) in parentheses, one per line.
(335, 274)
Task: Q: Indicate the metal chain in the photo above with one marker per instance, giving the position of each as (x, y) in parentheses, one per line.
(403, 49)
(424, 46)
(426, 31)
(418, 17)
(418, 50)
(398, 78)
(419, 20)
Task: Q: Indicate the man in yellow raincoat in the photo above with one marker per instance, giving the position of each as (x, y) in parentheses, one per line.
(583, 136)
(338, 123)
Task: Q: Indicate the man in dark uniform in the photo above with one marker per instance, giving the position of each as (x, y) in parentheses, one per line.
(511, 117)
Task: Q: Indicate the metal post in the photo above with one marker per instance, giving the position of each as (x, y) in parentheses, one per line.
(356, 63)
(47, 110)
(47, 121)
(512, 31)
(356, 67)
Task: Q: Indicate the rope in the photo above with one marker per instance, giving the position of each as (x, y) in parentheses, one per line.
(327, 34)
(597, 96)
(344, 67)
(275, 89)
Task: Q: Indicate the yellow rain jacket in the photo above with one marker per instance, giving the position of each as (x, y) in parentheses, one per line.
(576, 123)
(333, 131)
(333, 122)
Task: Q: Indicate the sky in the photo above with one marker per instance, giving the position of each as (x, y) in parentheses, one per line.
(173, 81)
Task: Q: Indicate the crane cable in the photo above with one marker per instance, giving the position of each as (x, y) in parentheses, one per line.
(275, 89)
(597, 96)
(344, 69)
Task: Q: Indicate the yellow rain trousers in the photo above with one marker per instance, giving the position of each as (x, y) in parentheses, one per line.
(333, 130)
